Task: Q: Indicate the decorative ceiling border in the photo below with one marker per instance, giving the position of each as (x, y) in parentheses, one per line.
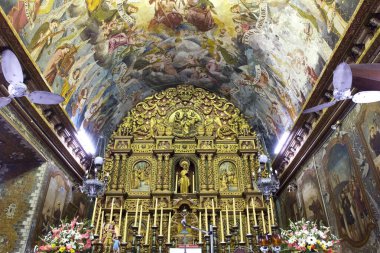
(360, 44)
(48, 123)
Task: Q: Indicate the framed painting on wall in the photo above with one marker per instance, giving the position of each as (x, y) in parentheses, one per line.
(311, 196)
(347, 195)
(368, 125)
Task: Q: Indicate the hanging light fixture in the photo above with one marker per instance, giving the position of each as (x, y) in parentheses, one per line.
(267, 180)
(95, 181)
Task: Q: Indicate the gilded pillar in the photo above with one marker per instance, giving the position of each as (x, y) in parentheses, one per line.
(159, 173)
(166, 173)
(123, 176)
(210, 170)
(109, 162)
(252, 162)
(246, 172)
(115, 172)
(203, 172)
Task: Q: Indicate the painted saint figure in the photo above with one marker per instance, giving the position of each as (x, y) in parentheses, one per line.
(184, 181)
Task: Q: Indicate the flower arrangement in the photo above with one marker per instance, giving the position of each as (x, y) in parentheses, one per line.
(305, 236)
(70, 237)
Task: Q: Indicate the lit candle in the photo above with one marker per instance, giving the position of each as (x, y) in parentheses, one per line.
(161, 217)
(93, 214)
(137, 212)
(254, 211)
(139, 230)
(248, 222)
(272, 210)
(264, 226)
(98, 220)
(176, 182)
(234, 211)
(269, 221)
(120, 216)
(200, 228)
(169, 226)
(125, 227)
(221, 226)
(101, 227)
(227, 221)
(206, 219)
(147, 230)
(113, 200)
(155, 214)
(241, 228)
(213, 213)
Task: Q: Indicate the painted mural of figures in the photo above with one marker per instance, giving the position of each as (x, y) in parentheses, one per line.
(43, 38)
(245, 15)
(166, 13)
(24, 12)
(60, 63)
(198, 13)
(374, 139)
(334, 20)
(184, 181)
(140, 176)
(348, 216)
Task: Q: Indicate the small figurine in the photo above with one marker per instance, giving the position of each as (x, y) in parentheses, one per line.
(116, 245)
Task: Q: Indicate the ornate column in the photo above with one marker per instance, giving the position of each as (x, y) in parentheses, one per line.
(210, 170)
(202, 173)
(159, 173)
(124, 168)
(166, 174)
(252, 172)
(246, 171)
(115, 172)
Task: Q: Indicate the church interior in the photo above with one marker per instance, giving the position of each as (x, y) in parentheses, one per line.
(189, 125)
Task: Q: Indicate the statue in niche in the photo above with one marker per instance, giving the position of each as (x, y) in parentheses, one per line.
(140, 176)
(185, 122)
(228, 177)
(184, 181)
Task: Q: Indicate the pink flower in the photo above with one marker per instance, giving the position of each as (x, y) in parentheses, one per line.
(74, 222)
(88, 244)
(69, 247)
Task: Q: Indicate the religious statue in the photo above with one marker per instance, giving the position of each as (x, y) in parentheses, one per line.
(184, 181)
(126, 127)
(109, 232)
(185, 123)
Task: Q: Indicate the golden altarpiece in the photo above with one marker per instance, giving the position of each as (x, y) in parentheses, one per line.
(181, 153)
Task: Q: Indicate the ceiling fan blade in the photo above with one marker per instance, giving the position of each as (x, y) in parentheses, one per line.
(319, 107)
(45, 98)
(366, 97)
(4, 101)
(11, 67)
(342, 79)
(366, 71)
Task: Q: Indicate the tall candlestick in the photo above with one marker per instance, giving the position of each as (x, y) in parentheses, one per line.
(93, 214)
(101, 227)
(269, 221)
(206, 219)
(213, 213)
(176, 182)
(120, 216)
(147, 230)
(113, 200)
(155, 214)
(254, 211)
(125, 227)
(227, 221)
(139, 230)
(248, 222)
(161, 217)
(241, 228)
(169, 226)
(98, 220)
(272, 210)
(221, 226)
(200, 228)
(137, 212)
(234, 211)
(264, 226)
(193, 183)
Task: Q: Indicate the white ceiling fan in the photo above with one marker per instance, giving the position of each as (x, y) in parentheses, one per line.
(342, 82)
(13, 74)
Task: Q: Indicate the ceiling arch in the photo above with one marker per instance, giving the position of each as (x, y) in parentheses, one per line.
(105, 56)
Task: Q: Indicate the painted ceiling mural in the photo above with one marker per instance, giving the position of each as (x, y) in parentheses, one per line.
(105, 56)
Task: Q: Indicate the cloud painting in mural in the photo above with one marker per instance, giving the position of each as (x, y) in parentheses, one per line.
(104, 56)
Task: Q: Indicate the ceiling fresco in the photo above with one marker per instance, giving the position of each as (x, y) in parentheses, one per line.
(105, 56)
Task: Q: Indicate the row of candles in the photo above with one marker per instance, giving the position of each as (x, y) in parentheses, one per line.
(138, 220)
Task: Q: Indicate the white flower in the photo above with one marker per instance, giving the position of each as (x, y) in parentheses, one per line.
(292, 240)
(329, 243)
(311, 240)
(301, 242)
